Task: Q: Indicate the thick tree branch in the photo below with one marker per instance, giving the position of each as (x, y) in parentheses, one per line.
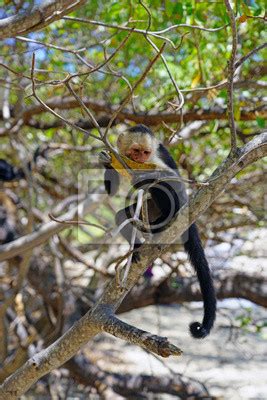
(47, 230)
(107, 384)
(116, 327)
(37, 17)
(149, 119)
(229, 283)
(154, 119)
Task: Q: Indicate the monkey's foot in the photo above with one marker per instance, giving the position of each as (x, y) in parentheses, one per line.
(136, 257)
(149, 273)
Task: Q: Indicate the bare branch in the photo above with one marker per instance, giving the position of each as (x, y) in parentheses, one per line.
(156, 344)
(109, 384)
(47, 108)
(133, 238)
(179, 94)
(19, 246)
(127, 115)
(143, 31)
(229, 283)
(75, 253)
(254, 51)
(137, 83)
(37, 17)
(101, 65)
(49, 45)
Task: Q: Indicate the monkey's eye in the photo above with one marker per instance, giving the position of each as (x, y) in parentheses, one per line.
(136, 151)
(146, 152)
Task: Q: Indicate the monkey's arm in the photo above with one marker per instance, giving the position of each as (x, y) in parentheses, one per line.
(111, 176)
(111, 181)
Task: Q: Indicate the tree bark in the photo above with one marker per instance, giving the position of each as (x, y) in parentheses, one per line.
(37, 17)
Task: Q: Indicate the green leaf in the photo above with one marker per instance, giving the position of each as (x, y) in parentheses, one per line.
(260, 122)
(257, 11)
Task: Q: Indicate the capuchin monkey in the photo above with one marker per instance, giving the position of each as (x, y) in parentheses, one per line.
(167, 196)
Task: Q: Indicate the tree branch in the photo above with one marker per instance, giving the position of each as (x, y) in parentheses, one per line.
(37, 17)
(230, 283)
(156, 344)
(127, 385)
(124, 115)
(254, 51)
(47, 230)
(231, 71)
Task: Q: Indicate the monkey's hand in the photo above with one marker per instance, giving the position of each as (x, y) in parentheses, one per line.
(104, 158)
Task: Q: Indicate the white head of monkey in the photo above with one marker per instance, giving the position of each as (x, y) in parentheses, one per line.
(138, 144)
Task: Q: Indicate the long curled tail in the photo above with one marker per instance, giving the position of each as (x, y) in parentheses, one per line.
(197, 258)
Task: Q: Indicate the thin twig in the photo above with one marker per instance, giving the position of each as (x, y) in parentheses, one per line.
(243, 59)
(134, 232)
(178, 92)
(75, 253)
(137, 83)
(142, 31)
(48, 45)
(46, 107)
(148, 13)
(107, 60)
(85, 108)
(231, 71)
(77, 222)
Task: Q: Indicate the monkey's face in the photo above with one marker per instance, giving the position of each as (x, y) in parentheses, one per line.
(139, 153)
(139, 147)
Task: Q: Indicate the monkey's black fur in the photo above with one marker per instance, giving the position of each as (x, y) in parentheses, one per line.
(8, 172)
(140, 128)
(168, 196)
(194, 249)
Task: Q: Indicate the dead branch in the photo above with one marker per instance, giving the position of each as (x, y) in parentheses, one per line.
(108, 322)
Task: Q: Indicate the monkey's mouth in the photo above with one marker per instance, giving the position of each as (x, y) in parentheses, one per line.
(138, 160)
